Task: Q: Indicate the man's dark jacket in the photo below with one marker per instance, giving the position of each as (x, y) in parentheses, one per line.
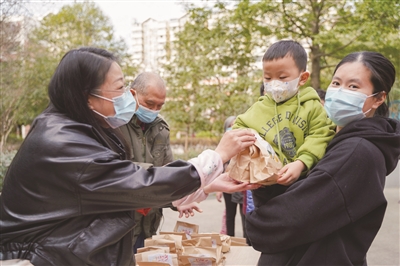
(149, 145)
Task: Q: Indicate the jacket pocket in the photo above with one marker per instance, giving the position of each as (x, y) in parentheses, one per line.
(106, 241)
(158, 152)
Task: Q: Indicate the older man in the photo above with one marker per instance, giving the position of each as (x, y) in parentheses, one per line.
(148, 134)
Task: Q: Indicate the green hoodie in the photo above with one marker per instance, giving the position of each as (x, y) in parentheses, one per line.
(302, 123)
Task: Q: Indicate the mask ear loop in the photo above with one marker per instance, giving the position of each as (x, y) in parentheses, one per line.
(99, 113)
(135, 96)
(102, 97)
(367, 111)
(372, 95)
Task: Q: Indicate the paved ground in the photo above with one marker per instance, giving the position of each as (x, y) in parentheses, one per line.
(384, 250)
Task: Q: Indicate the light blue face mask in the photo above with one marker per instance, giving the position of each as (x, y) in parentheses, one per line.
(124, 106)
(146, 115)
(344, 106)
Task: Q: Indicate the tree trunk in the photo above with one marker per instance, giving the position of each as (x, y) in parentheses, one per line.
(187, 139)
(315, 67)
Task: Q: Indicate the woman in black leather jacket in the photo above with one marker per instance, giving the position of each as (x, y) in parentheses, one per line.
(70, 193)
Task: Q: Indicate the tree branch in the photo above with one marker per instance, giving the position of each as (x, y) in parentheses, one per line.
(341, 47)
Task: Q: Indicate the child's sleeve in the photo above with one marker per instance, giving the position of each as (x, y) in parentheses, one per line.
(240, 122)
(320, 133)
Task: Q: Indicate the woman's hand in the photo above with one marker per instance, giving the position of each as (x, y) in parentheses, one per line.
(188, 209)
(224, 183)
(233, 142)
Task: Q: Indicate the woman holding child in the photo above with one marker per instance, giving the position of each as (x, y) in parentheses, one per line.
(332, 216)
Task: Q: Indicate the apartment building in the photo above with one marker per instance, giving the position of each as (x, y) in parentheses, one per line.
(150, 39)
(13, 36)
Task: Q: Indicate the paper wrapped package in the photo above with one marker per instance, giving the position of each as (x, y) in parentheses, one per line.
(257, 164)
(187, 228)
(156, 257)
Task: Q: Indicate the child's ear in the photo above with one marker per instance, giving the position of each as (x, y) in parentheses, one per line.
(304, 77)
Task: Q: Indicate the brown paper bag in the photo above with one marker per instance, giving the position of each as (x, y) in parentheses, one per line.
(144, 255)
(152, 263)
(187, 228)
(183, 234)
(162, 243)
(201, 256)
(257, 164)
(217, 240)
(198, 242)
(157, 256)
(238, 241)
(190, 260)
(226, 242)
(174, 242)
(151, 248)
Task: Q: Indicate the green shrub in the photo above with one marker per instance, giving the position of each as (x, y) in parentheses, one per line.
(193, 151)
(5, 161)
(194, 141)
(205, 134)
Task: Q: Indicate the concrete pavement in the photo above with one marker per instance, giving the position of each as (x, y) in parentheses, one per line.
(384, 250)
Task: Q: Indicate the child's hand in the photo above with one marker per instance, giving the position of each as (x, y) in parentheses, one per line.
(218, 195)
(187, 209)
(290, 173)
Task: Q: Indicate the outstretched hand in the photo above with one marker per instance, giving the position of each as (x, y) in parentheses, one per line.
(188, 209)
(233, 142)
(224, 183)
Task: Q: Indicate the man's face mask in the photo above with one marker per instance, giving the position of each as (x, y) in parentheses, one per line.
(124, 106)
(146, 115)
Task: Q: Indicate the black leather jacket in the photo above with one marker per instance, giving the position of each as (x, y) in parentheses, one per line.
(68, 199)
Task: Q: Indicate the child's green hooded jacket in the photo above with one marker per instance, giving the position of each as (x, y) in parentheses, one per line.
(302, 123)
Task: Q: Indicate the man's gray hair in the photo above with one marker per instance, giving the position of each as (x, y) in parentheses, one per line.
(144, 79)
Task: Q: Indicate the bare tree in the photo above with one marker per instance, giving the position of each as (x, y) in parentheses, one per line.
(12, 37)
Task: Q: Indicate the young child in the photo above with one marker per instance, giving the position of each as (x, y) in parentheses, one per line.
(290, 118)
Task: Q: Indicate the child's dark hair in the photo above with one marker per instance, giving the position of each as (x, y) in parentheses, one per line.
(283, 48)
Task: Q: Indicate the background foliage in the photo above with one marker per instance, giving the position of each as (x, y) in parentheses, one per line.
(28, 66)
(214, 76)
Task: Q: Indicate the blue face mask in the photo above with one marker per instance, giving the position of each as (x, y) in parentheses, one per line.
(124, 106)
(146, 115)
(344, 106)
